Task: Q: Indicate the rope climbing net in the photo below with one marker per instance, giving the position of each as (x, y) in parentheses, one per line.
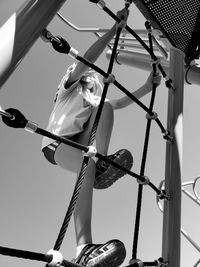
(14, 118)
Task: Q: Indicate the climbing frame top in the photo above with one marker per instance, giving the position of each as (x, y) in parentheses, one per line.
(178, 21)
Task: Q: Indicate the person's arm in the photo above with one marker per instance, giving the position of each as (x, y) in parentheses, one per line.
(96, 49)
(139, 93)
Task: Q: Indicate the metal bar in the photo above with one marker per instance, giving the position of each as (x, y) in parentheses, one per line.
(78, 28)
(73, 26)
(190, 239)
(137, 60)
(142, 61)
(21, 30)
(172, 208)
(191, 196)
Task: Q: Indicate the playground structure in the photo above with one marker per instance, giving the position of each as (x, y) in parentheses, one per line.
(44, 11)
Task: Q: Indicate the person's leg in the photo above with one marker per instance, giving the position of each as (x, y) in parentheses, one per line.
(83, 209)
(104, 129)
(71, 159)
(106, 174)
(113, 252)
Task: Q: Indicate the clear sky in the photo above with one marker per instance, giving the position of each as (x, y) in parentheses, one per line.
(34, 195)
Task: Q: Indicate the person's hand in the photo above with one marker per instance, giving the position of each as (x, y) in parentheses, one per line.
(152, 80)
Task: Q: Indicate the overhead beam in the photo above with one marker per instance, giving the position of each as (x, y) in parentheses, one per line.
(21, 30)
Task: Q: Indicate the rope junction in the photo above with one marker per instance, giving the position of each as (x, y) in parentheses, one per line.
(14, 118)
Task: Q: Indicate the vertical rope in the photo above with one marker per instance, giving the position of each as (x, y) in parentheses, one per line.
(143, 163)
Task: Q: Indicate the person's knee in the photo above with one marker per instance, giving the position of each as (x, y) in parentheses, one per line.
(68, 158)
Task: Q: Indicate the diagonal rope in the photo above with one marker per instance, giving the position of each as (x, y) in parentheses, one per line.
(86, 159)
(14, 118)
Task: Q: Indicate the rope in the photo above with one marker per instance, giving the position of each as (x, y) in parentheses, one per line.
(125, 91)
(14, 118)
(32, 256)
(72, 204)
(86, 159)
(61, 45)
(144, 157)
(148, 49)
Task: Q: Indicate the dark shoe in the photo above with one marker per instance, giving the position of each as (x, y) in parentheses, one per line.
(110, 254)
(106, 174)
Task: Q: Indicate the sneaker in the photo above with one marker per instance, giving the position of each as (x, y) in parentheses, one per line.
(106, 174)
(110, 254)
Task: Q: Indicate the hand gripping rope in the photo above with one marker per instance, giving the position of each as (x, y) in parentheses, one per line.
(16, 119)
(101, 4)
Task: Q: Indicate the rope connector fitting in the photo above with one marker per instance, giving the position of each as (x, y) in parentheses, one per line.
(128, 3)
(57, 258)
(109, 79)
(163, 195)
(167, 136)
(101, 4)
(161, 262)
(6, 114)
(136, 263)
(46, 36)
(156, 61)
(122, 24)
(92, 151)
(73, 53)
(143, 181)
(169, 83)
(152, 116)
(148, 26)
(31, 127)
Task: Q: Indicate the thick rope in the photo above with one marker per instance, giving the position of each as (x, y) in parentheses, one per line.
(86, 159)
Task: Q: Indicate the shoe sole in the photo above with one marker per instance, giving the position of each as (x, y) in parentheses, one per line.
(113, 255)
(112, 174)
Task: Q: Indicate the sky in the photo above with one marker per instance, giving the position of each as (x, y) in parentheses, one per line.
(34, 195)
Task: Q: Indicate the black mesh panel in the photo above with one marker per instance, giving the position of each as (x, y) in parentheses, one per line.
(179, 20)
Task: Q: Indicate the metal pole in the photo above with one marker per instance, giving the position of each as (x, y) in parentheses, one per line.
(142, 61)
(172, 208)
(21, 30)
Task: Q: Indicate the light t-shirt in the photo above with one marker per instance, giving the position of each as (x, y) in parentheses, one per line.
(72, 109)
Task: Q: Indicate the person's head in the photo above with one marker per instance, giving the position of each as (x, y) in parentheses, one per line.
(90, 80)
